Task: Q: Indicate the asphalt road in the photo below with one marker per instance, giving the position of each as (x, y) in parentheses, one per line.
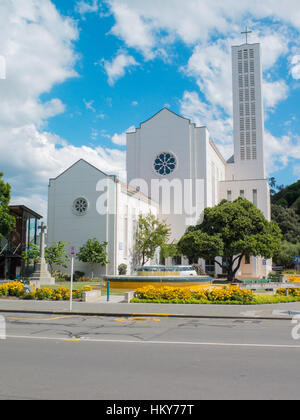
(68, 357)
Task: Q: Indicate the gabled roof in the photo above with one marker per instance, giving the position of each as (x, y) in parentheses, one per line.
(87, 163)
(163, 110)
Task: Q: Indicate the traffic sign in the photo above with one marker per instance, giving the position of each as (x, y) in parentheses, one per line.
(72, 252)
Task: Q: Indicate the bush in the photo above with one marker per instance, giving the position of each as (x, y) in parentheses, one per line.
(225, 294)
(14, 288)
(46, 293)
(82, 279)
(58, 275)
(295, 292)
(122, 269)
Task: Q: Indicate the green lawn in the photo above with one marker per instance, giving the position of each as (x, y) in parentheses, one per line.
(79, 285)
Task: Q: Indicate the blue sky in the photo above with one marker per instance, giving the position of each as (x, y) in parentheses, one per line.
(79, 74)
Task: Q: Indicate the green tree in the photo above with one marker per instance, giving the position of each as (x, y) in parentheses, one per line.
(93, 252)
(7, 221)
(57, 255)
(287, 196)
(32, 254)
(170, 250)
(285, 257)
(272, 183)
(232, 231)
(54, 255)
(151, 234)
(288, 221)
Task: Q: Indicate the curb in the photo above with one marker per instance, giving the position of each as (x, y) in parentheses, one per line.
(129, 315)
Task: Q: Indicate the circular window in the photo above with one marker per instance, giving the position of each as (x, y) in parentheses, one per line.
(165, 163)
(80, 206)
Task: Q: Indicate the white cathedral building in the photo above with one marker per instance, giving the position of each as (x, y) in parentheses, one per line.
(174, 171)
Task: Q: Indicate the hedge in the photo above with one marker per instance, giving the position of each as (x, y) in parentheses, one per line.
(62, 293)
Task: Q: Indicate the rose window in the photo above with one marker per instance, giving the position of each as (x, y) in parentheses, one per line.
(80, 206)
(165, 163)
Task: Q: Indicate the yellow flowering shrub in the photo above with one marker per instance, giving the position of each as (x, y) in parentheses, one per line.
(294, 279)
(168, 293)
(46, 293)
(292, 292)
(13, 288)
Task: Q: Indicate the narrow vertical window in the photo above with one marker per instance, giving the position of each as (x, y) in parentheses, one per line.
(229, 196)
(255, 197)
(242, 193)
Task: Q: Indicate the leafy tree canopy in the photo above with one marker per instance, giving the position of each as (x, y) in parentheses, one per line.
(288, 221)
(93, 252)
(7, 221)
(232, 231)
(151, 234)
(288, 196)
(285, 257)
(56, 255)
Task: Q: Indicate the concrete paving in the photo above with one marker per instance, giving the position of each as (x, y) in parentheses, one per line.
(116, 307)
(154, 358)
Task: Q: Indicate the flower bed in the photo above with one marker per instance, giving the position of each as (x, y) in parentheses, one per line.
(15, 289)
(294, 278)
(295, 292)
(178, 295)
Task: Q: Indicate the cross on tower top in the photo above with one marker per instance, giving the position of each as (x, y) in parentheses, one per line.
(43, 227)
(246, 33)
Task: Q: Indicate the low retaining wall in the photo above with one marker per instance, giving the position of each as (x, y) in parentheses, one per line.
(91, 296)
(269, 286)
(128, 296)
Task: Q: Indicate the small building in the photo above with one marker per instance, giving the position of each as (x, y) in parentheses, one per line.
(12, 265)
(85, 203)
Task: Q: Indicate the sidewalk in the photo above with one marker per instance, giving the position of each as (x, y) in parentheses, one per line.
(116, 308)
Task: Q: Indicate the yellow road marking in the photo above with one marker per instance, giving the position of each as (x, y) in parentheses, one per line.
(71, 339)
(121, 320)
(36, 319)
(136, 319)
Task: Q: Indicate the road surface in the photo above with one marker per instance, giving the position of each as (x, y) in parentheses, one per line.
(77, 357)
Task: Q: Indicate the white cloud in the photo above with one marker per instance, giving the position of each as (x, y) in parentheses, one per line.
(83, 7)
(117, 67)
(203, 114)
(120, 139)
(131, 27)
(211, 67)
(30, 157)
(38, 46)
(279, 152)
(146, 25)
(295, 67)
(274, 92)
(89, 105)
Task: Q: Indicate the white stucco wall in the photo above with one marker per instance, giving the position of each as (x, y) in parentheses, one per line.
(110, 204)
(260, 185)
(80, 180)
(198, 164)
(130, 205)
